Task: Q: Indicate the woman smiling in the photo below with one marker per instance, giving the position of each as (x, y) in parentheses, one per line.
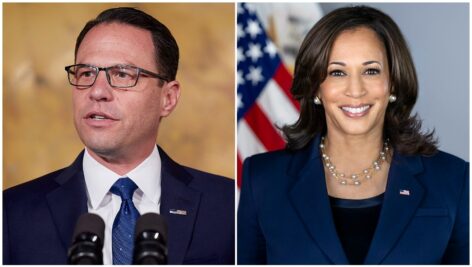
(358, 183)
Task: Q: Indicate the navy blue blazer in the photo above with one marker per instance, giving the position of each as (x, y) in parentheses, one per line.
(39, 216)
(284, 214)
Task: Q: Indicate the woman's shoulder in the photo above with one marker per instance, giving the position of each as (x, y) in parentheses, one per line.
(282, 161)
(282, 154)
(277, 159)
(275, 164)
(443, 159)
(444, 172)
(267, 161)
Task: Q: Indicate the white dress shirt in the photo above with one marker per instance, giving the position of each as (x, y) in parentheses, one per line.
(102, 202)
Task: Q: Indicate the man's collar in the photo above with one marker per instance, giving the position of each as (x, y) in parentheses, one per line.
(99, 179)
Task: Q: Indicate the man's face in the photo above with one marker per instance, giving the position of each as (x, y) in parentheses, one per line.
(118, 124)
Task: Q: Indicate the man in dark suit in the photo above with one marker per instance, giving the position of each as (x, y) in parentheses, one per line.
(117, 115)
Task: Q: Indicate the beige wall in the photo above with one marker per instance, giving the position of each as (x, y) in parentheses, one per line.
(38, 41)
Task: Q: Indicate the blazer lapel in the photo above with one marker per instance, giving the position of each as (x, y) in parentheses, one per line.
(402, 197)
(179, 205)
(310, 199)
(68, 201)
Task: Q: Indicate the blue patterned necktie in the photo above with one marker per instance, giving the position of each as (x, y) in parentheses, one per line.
(125, 220)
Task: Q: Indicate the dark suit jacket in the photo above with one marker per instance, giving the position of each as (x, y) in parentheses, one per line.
(284, 214)
(39, 216)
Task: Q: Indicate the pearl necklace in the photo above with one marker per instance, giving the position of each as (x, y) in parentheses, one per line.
(355, 178)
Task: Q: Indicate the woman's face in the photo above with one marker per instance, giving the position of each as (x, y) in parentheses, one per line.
(356, 90)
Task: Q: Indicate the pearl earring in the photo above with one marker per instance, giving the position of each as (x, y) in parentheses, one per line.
(392, 98)
(317, 101)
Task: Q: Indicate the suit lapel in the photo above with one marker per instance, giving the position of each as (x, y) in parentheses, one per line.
(179, 205)
(68, 201)
(310, 199)
(402, 197)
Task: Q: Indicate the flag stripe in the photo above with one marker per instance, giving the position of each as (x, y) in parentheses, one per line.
(284, 80)
(263, 128)
(248, 143)
(239, 170)
(276, 105)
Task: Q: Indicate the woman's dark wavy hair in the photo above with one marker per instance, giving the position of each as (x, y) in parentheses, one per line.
(403, 129)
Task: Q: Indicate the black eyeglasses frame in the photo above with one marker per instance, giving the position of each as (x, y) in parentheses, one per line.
(140, 71)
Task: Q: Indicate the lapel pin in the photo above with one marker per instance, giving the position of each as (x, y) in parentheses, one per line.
(405, 192)
(178, 212)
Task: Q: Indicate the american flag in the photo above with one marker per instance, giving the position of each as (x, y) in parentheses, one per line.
(264, 98)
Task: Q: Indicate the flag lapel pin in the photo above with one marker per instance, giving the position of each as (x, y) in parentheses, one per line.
(405, 192)
(178, 212)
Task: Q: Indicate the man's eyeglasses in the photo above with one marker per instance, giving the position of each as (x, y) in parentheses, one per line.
(119, 76)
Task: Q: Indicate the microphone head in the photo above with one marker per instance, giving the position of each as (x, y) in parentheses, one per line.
(87, 240)
(151, 222)
(89, 223)
(150, 240)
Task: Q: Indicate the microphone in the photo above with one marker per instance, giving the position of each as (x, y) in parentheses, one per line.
(87, 241)
(150, 246)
